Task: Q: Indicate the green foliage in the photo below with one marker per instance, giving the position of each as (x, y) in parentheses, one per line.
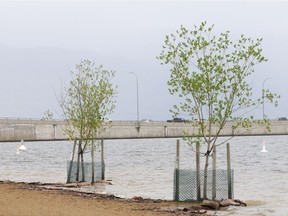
(89, 97)
(47, 115)
(210, 73)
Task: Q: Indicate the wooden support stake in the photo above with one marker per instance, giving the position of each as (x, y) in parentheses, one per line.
(229, 176)
(71, 162)
(214, 174)
(177, 166)
(93, 165)
(198, 172)
(102, 160)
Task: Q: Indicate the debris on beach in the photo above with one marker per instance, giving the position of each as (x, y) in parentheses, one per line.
(222, 204)
(137, 198)
(191, 211)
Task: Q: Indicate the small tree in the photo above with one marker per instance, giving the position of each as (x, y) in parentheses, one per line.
(210, 73)
(47, 115)
(89, 97)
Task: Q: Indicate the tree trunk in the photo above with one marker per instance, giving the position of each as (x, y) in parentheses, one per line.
(206, 172)
(82, 165)
(205, 177)
(78, 161)
(83, 168)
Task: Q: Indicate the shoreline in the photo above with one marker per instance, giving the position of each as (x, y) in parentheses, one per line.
(22, 198)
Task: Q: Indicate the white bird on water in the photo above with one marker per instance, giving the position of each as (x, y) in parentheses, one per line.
(263, 149)
(21, 147)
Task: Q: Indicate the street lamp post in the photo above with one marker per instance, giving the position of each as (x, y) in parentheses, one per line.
(263, 101)
(137, 95)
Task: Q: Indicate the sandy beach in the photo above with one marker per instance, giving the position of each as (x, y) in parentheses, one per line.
(22, 199)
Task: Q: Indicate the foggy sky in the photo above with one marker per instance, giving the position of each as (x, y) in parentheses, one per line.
(40, 41)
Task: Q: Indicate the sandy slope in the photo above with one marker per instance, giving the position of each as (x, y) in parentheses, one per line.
(22, 199)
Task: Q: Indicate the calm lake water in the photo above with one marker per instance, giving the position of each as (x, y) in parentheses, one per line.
(145, 168)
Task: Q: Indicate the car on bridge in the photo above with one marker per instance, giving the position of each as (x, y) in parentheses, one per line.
(177, 120)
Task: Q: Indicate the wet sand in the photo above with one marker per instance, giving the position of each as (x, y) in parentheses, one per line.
(22, 199)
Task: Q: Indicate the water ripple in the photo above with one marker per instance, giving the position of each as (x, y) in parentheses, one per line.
(145, 168)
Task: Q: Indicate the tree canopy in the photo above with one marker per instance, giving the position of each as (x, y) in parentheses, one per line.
(210, 73)
(88, 99)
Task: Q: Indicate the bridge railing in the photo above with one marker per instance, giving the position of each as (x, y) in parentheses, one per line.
(14, 129)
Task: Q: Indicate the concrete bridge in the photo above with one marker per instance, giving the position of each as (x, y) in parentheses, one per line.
(40, 130)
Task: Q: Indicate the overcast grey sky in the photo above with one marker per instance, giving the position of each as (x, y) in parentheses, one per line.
(41, 40)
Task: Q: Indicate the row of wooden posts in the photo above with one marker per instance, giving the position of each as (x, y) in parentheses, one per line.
(177, 168)
(198, 183)
(78, 163)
